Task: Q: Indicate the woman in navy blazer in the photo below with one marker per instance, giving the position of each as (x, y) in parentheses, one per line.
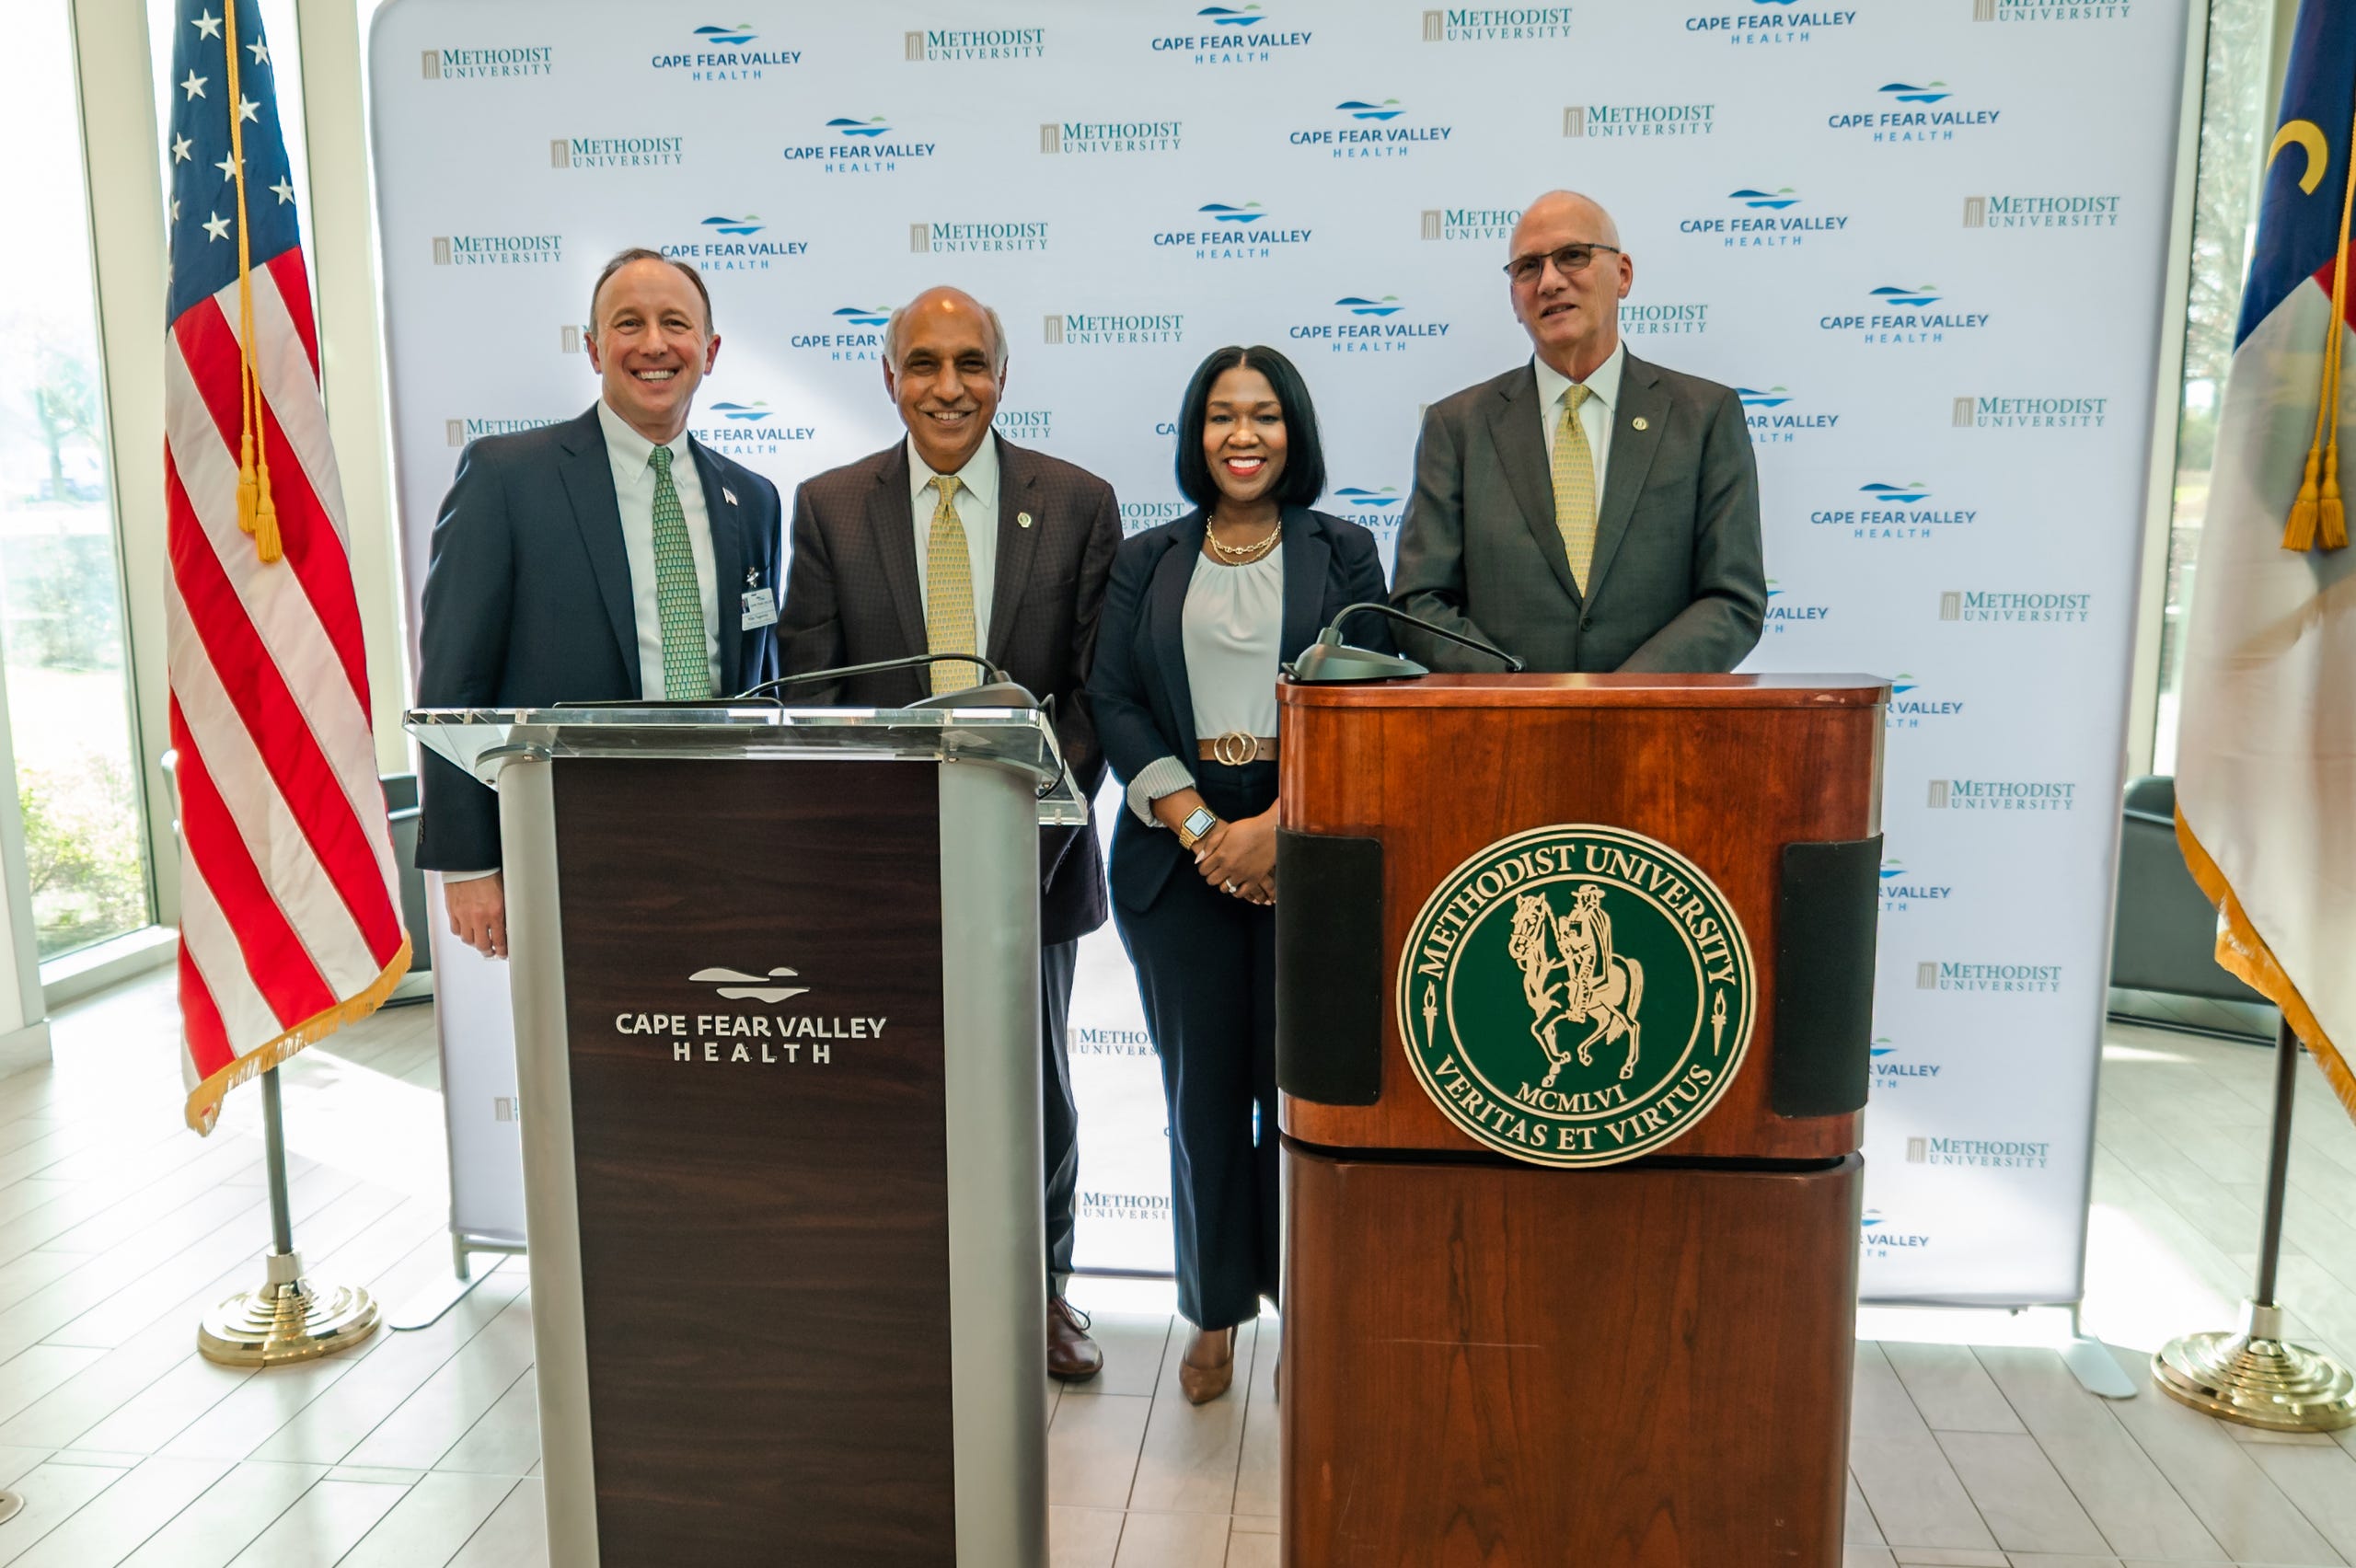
(1199, 614)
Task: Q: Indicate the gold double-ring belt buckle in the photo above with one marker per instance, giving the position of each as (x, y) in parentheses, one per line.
(1235, 748)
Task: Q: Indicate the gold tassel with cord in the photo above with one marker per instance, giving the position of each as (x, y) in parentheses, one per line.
(2319, 516)
(256, 512)
(2299, 533)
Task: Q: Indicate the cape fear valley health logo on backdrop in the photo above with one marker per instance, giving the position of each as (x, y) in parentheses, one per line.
(2001, 979)
(989, 236)
(749, 429)
(848, 146)
(1899, 315)
(1787, 611)
(498, 250)
(1060, 138)
(1911, 114)
(489, 64)
(1769, 21)
(717, 52)
(1886, 512)
(1878, 1236)
(1575, 995)
(918, 45)
(2030, 413)
(618, 152)
(1377, 509)
(1232, 35)
(1228, 231)
(1901, 889)
(1913, 706)
(1625, 122)
(1763, 220)
(848, 333)
(2007, 795)
(1496, 24)
(1778, 417)
(1890, 1068)
(748, 1037)
(724, 244)
(2013, 606)
(1370, 128)
(1363, 324)
(2031, 210)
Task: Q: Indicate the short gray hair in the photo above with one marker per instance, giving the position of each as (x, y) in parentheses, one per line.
(998, 337)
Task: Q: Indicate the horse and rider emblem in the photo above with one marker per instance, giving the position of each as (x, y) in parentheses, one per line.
(1576, 995)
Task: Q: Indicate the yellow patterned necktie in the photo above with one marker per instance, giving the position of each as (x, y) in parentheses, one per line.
(948, 591)
(1574, 486)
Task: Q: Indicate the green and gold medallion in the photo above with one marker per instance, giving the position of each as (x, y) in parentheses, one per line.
(1576, 995)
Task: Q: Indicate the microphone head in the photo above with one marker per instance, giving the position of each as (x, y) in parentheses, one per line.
(990, 694)
(1335, 662)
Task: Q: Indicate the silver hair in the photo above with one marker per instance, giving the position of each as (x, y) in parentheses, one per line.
(998, 337)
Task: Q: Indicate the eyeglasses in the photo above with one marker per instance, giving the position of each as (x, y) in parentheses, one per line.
(1568, 261)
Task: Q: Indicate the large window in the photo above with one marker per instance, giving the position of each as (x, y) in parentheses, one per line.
(60, 598)
(2236, 95)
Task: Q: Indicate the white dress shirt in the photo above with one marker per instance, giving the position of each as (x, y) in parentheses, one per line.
(1232, 630)
(633, 456)
(1595, 414)
(977, 504)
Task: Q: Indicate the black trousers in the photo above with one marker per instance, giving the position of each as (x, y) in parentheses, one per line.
(1059, 1113)
(1206, 971)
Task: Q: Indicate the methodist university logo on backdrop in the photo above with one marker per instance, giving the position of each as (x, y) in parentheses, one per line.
(1576, 995)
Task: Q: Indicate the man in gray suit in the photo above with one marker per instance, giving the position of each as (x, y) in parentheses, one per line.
(1587, 511)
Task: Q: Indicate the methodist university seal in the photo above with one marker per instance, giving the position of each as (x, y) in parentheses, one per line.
(1576, 995)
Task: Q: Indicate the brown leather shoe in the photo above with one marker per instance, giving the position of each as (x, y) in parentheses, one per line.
(1072, 1357)
(1209, 1366)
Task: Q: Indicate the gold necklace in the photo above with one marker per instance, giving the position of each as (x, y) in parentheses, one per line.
(1241, 555)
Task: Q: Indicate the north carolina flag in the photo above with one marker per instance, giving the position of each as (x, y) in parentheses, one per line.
(2266, 755)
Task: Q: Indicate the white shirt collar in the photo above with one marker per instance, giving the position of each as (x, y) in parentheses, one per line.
(633, 452)
(979, 474)
(1603, 386)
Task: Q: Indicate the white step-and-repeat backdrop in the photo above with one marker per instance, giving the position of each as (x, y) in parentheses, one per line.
(1925, 238)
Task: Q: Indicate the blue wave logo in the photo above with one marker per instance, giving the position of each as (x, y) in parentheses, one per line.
(842, 127)
(1773, 397)
(749, 223)
(743, 413)
(1230, 16)
(1892, 868)
(1879, 1049)
(1901, 683)
(1771, 201)
(1906, 92)
(1387, 306)
(852, 316)
(1871, 1218)
(1912, 492)
(1889, 293)
(1388, 108)
(1221, 213)
(1358, 495)
(741, 33)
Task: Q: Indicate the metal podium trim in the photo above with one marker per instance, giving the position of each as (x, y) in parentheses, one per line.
(552, 1199)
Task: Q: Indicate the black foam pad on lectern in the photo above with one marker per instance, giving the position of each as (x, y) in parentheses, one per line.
(1824, 976)
(1330, 989)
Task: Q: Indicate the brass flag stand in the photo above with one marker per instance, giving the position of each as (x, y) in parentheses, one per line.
(2256, 1376)
(289, 1319)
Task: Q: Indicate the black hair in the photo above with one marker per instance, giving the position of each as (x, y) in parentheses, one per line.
(640, 253)
(1303, 480)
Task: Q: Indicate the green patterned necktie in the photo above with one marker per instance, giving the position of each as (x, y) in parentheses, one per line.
(678, 600)
(1574, 486)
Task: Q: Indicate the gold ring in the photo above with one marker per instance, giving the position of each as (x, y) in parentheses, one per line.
(1243, 748)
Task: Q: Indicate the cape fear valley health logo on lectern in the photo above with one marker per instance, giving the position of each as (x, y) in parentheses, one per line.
(1576, 995)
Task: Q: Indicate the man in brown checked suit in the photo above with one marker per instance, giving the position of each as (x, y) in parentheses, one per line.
(956, 541)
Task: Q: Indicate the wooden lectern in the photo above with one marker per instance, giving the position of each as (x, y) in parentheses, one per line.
(1493, 1360)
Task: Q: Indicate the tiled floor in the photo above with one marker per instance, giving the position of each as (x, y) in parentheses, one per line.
(419, 1450)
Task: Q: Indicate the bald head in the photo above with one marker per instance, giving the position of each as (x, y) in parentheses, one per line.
(944, 303)
(1567, 277)
(945, 363)
(1557, 208)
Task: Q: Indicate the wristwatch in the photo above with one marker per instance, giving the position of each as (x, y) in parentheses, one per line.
(1198, 822)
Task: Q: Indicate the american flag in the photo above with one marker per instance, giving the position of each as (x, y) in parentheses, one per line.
(290, 922)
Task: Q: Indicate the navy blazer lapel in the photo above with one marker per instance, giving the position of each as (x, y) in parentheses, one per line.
(1516, 423)
(588, 478)
(726, 516)
(1307, 558)
(1165, 622)
(1642, 399)
(1018, 542)
(891, 519)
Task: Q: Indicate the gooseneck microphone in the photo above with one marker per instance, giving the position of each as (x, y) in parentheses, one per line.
(997, 690)
(1330, 662)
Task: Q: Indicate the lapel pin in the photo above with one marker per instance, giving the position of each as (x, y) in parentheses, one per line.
(1022, 520)
(752, 577)
(728, 495)
(1639, 422)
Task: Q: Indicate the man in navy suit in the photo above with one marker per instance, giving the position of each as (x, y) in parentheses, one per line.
(610, 556)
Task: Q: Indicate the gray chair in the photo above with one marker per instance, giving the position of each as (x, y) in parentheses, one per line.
(2162, 968)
